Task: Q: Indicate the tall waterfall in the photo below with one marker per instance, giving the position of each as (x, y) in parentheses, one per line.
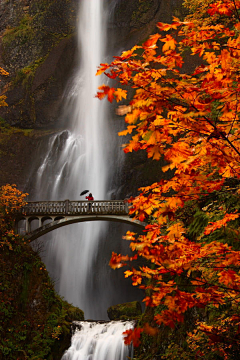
(81, 157)
(76, 160)
(96, 341)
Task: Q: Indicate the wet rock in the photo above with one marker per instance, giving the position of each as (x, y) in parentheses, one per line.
(74, 313)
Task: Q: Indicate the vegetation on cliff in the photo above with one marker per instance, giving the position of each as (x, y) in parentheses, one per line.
(33, 40)
(35, 322)
(191, 245)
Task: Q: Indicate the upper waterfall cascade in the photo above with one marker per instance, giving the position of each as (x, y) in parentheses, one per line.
(83, 156)
(76, 159)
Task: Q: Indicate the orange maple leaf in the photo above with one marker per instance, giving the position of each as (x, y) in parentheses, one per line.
(132, 336)
(106, 91)
(116, 261)
(220, 223)
(170, 43)
(154, 152)
(127, 131)
(102, 69)
(151, 42)
(120, 94)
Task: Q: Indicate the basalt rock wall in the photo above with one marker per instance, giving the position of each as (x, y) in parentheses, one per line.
(132, 21)
(38, 49)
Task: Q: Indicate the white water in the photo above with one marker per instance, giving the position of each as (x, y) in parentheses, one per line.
(97, 341)
(84, 156)
(76, 160)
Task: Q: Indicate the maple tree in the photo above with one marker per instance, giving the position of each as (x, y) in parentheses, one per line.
(191, 118)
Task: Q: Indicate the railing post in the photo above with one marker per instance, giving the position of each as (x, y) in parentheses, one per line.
(66, 206)
(126, 207)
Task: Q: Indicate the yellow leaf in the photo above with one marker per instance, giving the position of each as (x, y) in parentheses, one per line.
(127, 131)
(170, 43)
(120, 94)
(128, 273)
(175, 232)
(132, 118)
(2, 100)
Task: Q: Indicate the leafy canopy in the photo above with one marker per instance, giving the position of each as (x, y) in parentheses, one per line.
(191, 118)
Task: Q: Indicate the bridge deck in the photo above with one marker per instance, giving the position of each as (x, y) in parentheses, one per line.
(67, 207)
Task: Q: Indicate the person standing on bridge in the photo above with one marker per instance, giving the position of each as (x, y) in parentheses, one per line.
(90, 198)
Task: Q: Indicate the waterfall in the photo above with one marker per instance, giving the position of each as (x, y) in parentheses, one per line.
(82, 157)
(97, 341)
(76, 159)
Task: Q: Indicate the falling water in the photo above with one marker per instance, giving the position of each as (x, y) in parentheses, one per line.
(76, 160)
(96, 341)
(81, 157)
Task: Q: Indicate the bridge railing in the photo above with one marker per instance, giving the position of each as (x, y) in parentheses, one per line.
(68, 207)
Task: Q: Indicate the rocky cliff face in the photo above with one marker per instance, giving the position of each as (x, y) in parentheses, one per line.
(37, 48)
(132, 21)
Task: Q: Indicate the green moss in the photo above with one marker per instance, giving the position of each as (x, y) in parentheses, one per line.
(7, 130)
(25, 75)
(23, 32)
(73, 313)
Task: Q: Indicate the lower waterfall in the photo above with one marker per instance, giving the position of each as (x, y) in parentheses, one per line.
(99, 341)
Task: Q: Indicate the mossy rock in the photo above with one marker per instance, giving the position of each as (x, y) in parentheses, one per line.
(125, 311)
(74, 313)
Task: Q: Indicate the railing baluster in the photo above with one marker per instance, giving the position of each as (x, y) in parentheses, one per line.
(75, 207)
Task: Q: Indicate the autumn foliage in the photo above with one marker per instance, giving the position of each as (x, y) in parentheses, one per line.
(191, 118)
(11, 201)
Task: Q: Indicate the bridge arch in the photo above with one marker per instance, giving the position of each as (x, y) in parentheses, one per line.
(33, 235)
(62, 213)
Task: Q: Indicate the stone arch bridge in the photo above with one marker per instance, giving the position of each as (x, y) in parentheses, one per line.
(51, 215)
